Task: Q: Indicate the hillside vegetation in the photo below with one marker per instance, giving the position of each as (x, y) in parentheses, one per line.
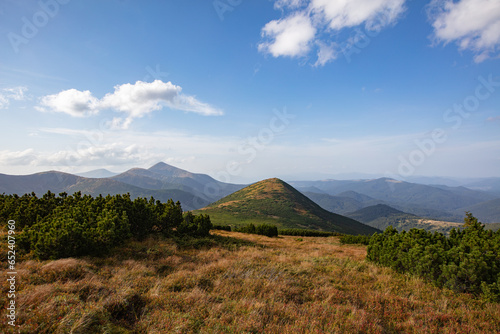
(275, 202)
(236, 283)
(466, 261)
(51, 227)
(382, 216)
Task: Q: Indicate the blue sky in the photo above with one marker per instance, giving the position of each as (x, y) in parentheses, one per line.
(245, 90)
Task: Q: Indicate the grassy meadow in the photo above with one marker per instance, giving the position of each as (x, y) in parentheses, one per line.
(235, 283)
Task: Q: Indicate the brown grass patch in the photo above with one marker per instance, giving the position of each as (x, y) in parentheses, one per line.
(280, 285)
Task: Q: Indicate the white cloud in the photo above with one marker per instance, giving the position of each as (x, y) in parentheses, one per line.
(133, 100)
(311, 23)
(190, 103)
(91, 155)
(17, 158)
(72, 102)
(290, 36)
(326, 53)
(350, 13)
(140, 98)
(4, 102)
(472, 24)
(8, 94)
(289, 3)
(110, 154)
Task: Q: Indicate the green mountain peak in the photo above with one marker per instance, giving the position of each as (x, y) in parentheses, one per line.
(276, 202)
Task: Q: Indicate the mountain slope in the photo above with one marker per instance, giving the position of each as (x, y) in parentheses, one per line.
(486, 212)
(163, 176)
(436, 202)
(382, 216)
(58, 182)
(39, 183)
(343, 203)
(97, 174)
(392, 191)
(274, 201)
(490, 185)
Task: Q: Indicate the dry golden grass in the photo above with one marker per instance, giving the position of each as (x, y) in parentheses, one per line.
(274, 285)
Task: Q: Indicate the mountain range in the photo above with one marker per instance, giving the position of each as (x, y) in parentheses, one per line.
(161, 181)
(437, 202)
(196, 191)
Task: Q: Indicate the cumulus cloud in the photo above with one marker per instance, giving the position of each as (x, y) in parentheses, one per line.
(312, 24)
(112, 154)
(92, 155)
(133, 100)
(9, 94)
(72, 102)
(472, 24)
(290, 36)
(140, 98)
(374, 14)
(17, 158)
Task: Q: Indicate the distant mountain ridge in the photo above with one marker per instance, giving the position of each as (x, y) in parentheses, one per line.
(382, 216)
(163, 181)
(276, 202)
(437, 202)
(163, 176)
(97, 174)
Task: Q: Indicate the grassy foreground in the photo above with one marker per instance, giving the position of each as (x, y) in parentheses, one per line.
(236, 283)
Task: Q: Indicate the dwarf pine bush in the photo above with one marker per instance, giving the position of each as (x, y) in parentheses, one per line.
(466, 261)
(61, 226)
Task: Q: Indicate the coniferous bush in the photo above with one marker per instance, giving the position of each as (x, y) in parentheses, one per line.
(298, 232)
(222, 227)
(355, 239)
(195, 225)
(267, 230)
(467, 261)
(75, 225)
(72, 232)
(261, 229)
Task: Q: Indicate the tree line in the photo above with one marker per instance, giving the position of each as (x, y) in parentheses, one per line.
(467, 261)
(54, 226)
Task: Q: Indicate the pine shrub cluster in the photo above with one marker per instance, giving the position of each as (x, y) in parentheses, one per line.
(261, 229)
(222, 227)
(355, 239)
(467, 261)
(66, 226)
(298, 232)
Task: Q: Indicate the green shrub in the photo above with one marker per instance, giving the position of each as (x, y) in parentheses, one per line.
(355, 239)
(195, 225)
(69, 226)
(267, 230)
(261, 229)
(249, 228)
(72, 232)
(467, 261)
(298, 232)
(222, 227)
